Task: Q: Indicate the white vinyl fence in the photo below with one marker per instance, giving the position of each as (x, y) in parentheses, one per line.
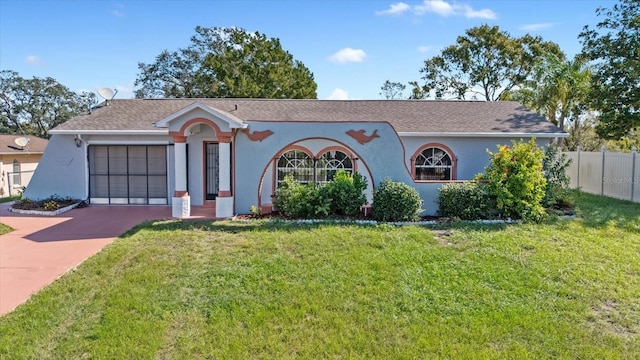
(605, 173)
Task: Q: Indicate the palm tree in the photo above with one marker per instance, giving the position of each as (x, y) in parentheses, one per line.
(558, 89)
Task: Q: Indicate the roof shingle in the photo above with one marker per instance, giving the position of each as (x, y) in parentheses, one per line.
(430, 116)
(8, 145)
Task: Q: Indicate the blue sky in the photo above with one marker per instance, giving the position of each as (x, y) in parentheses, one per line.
(352, 47)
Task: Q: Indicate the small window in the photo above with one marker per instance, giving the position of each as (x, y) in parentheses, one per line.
(17, 179)
(434, 164)
(329, 163)
(297, 164)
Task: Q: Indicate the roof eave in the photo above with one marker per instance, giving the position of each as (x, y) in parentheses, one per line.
(482, 134)
(109, 132)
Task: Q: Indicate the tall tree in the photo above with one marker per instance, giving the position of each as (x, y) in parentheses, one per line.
(226, 62)
(33, 106)
(558, 89)
(485, 63)
(614, 47)
(392, 90)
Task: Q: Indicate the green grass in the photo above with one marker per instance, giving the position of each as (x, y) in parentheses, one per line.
(9, 198)
(4, 229)
(196, 290)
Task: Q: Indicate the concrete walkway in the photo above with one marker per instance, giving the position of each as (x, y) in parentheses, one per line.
(42, 248)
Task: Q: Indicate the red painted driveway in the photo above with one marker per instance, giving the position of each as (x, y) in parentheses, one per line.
(42, 248)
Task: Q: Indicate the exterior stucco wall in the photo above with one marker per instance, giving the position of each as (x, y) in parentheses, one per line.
(28, 163)
(471, 153)
(385, 157)
(61, 172)
(63, 169)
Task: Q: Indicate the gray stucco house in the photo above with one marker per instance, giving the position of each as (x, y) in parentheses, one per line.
(230, 154)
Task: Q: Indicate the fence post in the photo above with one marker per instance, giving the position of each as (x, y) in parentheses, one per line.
(604, 150)
(633, 170)
(578, 180)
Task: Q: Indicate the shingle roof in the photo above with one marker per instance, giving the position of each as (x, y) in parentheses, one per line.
(432, 116)
(8, 146)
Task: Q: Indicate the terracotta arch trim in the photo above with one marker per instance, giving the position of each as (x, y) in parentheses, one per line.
(454, 160)
(223, 136)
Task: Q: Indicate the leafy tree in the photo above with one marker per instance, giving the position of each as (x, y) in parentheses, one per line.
(558, 89)
(226, 62)
(485, 62)
(615, 49)
(33, 106)
(392, 90)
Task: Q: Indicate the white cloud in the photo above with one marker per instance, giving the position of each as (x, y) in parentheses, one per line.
(348, 55)
(439, 7)
(536, 27)
(395, 9)
(424, 48)
(442, 8)
(34, 60)
(470, 13)
(338, 94)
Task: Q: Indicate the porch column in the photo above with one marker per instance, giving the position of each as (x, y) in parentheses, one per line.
(181, 202)
(224, 200)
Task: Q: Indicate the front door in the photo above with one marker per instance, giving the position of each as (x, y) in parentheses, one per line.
(212, 170)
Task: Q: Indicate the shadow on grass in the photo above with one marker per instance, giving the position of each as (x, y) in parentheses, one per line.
(600, 211)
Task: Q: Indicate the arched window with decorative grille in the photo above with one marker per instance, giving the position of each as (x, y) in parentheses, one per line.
(330, 162)
(296, 163)
(434, 162)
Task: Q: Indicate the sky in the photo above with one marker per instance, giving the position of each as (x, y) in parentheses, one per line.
(352, 47)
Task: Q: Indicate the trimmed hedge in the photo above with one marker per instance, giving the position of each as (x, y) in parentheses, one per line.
(466, 201)
(396, 201)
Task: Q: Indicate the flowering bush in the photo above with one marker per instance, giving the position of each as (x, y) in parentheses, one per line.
(517, 181)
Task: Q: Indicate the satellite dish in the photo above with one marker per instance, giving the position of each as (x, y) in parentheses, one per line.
(22, 141)
(107, 94)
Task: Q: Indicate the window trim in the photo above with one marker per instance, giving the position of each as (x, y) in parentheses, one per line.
(447, 150)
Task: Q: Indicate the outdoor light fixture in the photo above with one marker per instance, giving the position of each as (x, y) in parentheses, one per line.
(78, 141)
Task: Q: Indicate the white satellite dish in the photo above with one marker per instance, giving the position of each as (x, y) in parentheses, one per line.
(22, 141)
(107, 94)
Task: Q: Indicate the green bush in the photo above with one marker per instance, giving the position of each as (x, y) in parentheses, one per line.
(299, 201)
(346, 192)
(555, 166)
(467, 201)
(396, 201)
(516, 179)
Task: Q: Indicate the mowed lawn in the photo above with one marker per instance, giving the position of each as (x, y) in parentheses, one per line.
(202, 290)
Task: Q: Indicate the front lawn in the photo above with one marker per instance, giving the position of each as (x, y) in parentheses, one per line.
(195, 290)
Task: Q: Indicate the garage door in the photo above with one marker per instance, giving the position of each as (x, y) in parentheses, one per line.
(121, 174)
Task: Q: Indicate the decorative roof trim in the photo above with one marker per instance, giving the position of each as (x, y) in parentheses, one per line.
(482, 134)
(233, 121)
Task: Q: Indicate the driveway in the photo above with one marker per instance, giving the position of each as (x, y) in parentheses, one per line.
(42, 248)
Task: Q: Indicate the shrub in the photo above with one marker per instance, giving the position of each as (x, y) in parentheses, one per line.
(555, 166)
(295, 200)
(516, 179)
(467, 201)
(346, 192)
(396, 201)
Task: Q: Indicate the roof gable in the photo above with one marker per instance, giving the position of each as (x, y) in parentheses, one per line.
(232, 121)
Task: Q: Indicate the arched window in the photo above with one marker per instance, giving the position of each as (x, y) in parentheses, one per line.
(435, 164)
(297, 164)
(17, 179)
(330, 162)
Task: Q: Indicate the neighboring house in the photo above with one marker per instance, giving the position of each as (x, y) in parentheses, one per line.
(17, 163)
(230, 154)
